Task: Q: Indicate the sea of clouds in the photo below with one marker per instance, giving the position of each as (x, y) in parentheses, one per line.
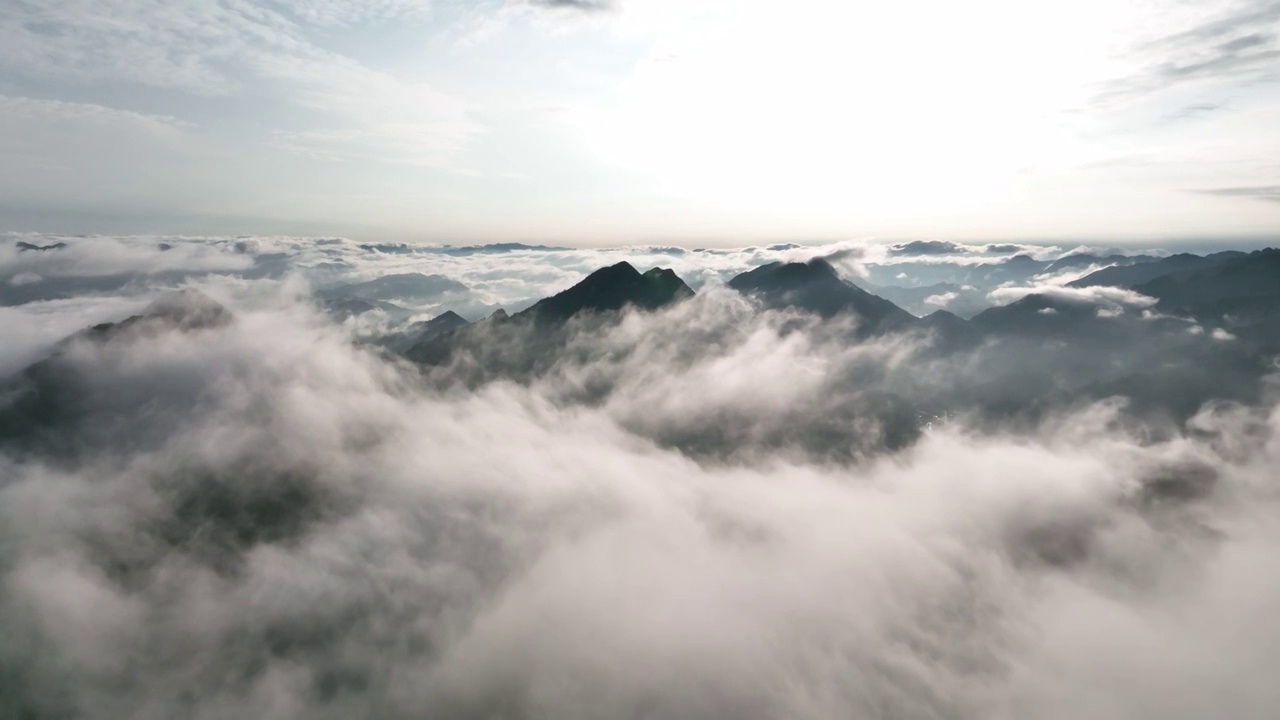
(692, 513)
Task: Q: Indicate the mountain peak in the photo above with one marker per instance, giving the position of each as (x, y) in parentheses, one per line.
(189, 308)
(817, 287)
(612, 288)
(449, 317)
(942, 316)
(792, 272)
(617, 270)
(186, 309)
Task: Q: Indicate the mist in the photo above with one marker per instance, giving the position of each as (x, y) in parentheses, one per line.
(710, 510)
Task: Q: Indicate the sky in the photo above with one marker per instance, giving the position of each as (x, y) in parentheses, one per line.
(601, 122)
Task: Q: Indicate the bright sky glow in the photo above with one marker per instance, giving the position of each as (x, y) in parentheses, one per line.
(690, 121)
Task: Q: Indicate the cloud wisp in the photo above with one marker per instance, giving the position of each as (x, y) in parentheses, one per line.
(1239, 45)
(1267, 193)
(230, 49)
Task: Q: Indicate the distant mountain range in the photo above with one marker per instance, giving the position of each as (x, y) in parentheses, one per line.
(1223, 287)
(1047, 348)
(405, 287)
(1209, 328)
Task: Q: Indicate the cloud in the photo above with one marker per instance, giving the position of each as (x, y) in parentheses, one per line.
(54, 111)
(1268, 193)
(1006, 248)
(582, 5)
(104, 256)
(1097, 295)
(348, 13)
(707, 511)
(1197, 110)
(238, 47)
(848, 256)
(1240, 44)
(927, 247)
(293, 526)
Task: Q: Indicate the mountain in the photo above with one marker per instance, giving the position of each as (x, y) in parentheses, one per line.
(942, 319)
(1038, 314)
(817, 287)
(423, 331)
(22, 245)
(611, 288)
(1079, 261)
(964, 300)
(442, 323)
(342, 308)
(43, 404)
(983, 277)
(1244, 283)
(493, 248)
(1136, 274)
(606, 290)
(186, 309)
(404, 287)
(1017, 269)
(1236, 291)
(1240, 295)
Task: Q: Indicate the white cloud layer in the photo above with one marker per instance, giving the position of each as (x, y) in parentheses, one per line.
(708, 511)
(1097, 295)
(295, 527)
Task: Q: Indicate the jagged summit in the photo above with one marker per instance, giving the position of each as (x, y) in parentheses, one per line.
(612, 288)
(607, 289)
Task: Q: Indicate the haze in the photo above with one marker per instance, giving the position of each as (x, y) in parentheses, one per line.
(633, 360)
